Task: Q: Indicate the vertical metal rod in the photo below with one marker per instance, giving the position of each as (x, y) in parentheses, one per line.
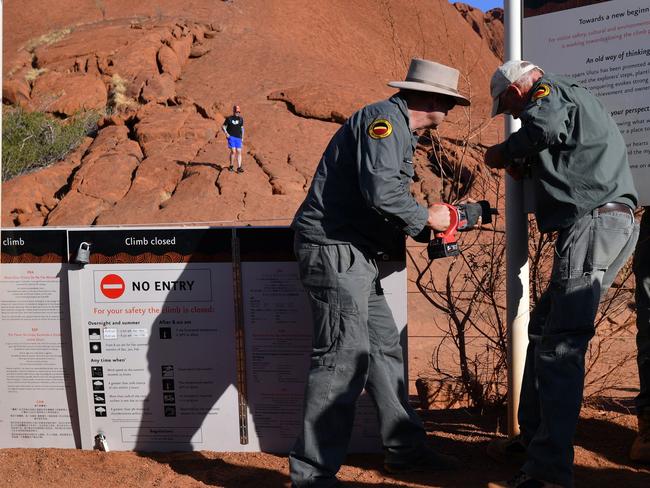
(517, 272)
(242, 389)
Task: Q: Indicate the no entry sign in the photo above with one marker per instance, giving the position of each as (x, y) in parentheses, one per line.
(112, 286)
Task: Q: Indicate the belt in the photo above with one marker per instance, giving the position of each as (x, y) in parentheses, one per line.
(613, 207)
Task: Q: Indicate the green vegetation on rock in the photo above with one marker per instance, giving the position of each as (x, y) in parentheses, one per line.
(32, 140)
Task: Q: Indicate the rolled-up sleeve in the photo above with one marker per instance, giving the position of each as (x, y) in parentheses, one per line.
(384, 179)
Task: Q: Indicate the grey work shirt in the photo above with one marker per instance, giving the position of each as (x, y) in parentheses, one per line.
(578, 156)
(360, 193)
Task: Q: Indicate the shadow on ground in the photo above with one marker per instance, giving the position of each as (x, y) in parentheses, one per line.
(602, 442)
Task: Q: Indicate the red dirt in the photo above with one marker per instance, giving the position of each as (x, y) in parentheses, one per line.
(601, 461)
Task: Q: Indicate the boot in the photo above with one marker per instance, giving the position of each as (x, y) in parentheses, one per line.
(504, 450)
(640, 450)
(423, 458)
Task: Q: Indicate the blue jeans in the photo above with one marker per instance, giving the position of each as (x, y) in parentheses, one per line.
(642, 275)
(588, 255)
(355, 345)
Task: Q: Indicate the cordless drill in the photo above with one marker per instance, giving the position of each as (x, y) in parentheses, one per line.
(463, 218)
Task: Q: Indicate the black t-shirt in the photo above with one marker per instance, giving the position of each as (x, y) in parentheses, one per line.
(234, 126)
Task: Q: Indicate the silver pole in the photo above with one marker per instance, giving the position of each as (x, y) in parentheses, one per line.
(517, 281)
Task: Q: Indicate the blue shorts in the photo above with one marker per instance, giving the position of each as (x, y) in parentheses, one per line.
(234, 142)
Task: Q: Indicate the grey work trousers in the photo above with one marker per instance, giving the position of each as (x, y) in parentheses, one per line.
(355, 345)
(588, 255)
(642, 275)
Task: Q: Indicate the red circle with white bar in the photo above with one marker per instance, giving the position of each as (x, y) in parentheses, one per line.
(112, 286)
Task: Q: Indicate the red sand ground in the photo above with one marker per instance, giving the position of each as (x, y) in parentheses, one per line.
(601, 461)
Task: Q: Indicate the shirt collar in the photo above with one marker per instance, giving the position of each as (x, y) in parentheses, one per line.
(398, 100)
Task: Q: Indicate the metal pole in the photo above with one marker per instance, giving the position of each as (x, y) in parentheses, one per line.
(517, 281)
(240, 334)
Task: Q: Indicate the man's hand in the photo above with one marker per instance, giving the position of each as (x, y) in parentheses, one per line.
(439, 217)
(494, 157)
(479, 220)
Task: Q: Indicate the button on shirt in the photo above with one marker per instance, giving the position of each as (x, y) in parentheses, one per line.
(360, 193)
(578, 156)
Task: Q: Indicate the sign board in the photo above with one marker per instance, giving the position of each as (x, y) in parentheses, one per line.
(37, 391)
(154, 339)
(277, 324)
(605, 45)
(197, 339)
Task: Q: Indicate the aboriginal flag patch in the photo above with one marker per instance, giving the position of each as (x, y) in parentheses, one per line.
(380, 129)
(542, 91)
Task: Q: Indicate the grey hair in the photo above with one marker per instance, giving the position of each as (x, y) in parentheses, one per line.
(527, 79)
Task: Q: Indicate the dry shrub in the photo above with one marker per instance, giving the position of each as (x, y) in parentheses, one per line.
(117, 99)
(33, 73)
(47, 39)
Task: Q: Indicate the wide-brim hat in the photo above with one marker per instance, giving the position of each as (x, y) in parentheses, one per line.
(431, 77)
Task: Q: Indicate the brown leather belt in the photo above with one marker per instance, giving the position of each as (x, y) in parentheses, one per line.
(613, 207)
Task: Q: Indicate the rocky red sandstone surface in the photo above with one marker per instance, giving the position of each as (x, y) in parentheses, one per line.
(167, 76)
(488, 25)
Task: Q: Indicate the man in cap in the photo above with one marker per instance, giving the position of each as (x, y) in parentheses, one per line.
(233, 127)
(359, 206)
(584, 191)
(640, 449)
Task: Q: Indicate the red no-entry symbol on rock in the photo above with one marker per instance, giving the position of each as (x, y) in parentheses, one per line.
(112, 286)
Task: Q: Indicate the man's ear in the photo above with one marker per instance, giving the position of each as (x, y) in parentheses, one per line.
(520, 94)
(513, 90)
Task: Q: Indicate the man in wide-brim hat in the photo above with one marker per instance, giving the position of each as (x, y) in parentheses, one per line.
(360, 207)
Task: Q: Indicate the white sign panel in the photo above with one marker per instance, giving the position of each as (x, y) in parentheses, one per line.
(277, 321)
(606, 47)
(37, 396)
(167, 340)
(155, 342)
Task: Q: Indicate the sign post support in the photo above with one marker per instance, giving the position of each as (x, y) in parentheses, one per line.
(517, 271)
